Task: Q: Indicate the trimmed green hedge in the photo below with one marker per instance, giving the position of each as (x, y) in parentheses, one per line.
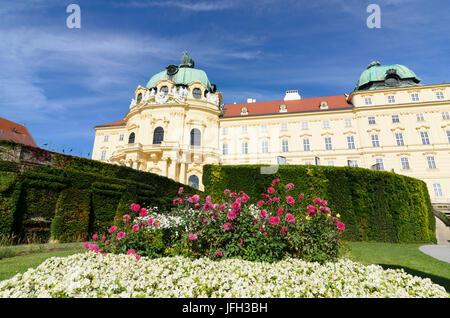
(375, 205)
(35, 193)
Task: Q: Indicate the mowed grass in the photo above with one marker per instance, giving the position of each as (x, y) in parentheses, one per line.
(11, 266)
(388, 255)
(406, 256)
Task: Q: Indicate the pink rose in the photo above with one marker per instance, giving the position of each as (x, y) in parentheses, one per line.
(341, 226)
(289, 187)
(290, 200)
(136, 227)
(271, 190)
(120, 235)
(317, 200)
(130, 251)
(219, 253)
(126, 218)
(143, 212)
(283, 230)
(231, 215)
(241, 241)
(222, 207)
(274, 220)
(94, 237)
(290, 218)
(137, 256)
(103, 238)
(236, 206)
(135, 207)
(193, 237)
(300, 197)
(226, 226)
(263, 214)
(276, 199)
(197, 205)
(275, 181)
(259, 203)
(112, 229)
(180, 191)
(150, 221)
(280, 211)
(86, 245)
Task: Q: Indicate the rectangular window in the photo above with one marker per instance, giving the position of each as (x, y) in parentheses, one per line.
(264, 146)
(420, 117)
(283, 126)
(405, 163)
(348, 123)
(306, 146)
(351, 142)
(121, 137)
(368, 101)
(448, 135)
(244, 129)
(244, 148)
(375, 141)
(431, 162)
(439, 95)
(326, 124)
(305, 125)
(331, 163)
(103, 155)
(225, 149)
(225, 130)
(395, 119)
(415, 97)
(106, 138)
(328, 145)
(399, 139)
(437, 189)
(285, 145)
(445, 115)
(264, 128)
(352, 163)
(379, 163)
(424, 136)
(371, 120)
(391, 99)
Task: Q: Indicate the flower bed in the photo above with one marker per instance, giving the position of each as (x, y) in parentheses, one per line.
(93, 275)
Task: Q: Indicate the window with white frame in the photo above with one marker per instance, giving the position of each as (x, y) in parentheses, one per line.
(353, 163)
(448, 135)
(368, 101)
(121, 136)
(306, 146)
(405, 163)
(439, 95)
(391, 99)
(225, 130)
(375, 140)
(285, 145)
(415, 97)
(328, 145)
(330, 163)
(264, 128)
(348, 123)
(419, 117)
(395, 119)
(244, 129)
(445, 115)
(380, 163)
(244, 148)
(399, 139)
(305, 125)
(283, 126)
(431, 162)
(351, 142)
(106, 138)
(264, 146)
(326, 124)
(424, 137)
(371, 120)
(437, 189)
(103, 155)
(225, 149)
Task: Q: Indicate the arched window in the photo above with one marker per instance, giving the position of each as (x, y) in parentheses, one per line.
(131, 138)
(158, 135)
(164, 89)
(197, 93)
(139, 99)
(196, 137)
(193, 181)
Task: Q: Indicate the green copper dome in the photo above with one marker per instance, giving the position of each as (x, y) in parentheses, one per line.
(378, 76)
(184, 74)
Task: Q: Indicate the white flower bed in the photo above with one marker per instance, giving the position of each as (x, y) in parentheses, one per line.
(93, 275)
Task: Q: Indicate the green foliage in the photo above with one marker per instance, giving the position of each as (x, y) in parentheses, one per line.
(71, 219)
(375, 205)
(10, 190)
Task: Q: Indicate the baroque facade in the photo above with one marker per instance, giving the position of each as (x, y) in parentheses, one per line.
(177, 123)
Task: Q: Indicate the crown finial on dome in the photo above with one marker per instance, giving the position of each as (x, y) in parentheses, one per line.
(186, 61)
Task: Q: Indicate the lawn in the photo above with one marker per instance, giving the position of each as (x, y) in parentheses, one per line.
(406, 256)
(388, 255)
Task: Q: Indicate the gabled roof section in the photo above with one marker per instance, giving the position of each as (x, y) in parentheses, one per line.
(292, 106)
(10, 130)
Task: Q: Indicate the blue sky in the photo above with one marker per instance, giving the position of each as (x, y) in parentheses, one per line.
(62, 82)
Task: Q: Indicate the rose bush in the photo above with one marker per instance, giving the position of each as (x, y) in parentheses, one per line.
(274, 228)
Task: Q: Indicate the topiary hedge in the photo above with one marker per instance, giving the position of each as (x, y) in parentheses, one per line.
(375, 205)
(31, 192)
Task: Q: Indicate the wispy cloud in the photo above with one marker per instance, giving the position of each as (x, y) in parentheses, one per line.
(197, 6)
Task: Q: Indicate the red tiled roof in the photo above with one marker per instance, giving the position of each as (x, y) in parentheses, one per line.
(10, 130)
(114, 123)
(300, 105)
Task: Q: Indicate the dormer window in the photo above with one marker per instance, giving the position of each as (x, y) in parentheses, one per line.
(391, 99)
(368, 101)
(439, 95)
(197, 93)
(164, 89)
(244, 111)
(283, 108)
(139, 98)
(415, 97)
(323, 105)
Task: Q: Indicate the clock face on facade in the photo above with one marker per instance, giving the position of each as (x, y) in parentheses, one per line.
(172, 70)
